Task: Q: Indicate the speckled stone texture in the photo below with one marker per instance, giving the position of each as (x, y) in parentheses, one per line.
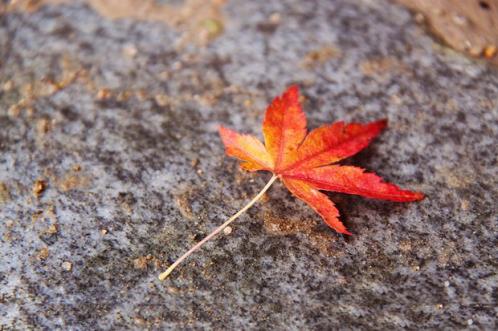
(117, 123)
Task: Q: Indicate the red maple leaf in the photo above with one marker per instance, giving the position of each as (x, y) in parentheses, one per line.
(303, 161)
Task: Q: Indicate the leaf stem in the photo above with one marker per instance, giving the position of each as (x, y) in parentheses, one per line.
(218, 229)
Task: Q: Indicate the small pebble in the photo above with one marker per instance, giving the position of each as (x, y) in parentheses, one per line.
(42, 126)
(227, 230)
(446, 284)
(52, 229)
(490, 51)
(43, 254)
(104, 94)
(68, 266)
(38, 187)
(470, 322)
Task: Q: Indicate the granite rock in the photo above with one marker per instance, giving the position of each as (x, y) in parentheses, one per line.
(111, 167)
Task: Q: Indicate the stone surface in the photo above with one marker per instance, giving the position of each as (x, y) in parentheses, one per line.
(468, 26)
(118, 119)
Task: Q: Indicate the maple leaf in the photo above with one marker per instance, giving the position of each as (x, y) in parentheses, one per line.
(304, 161)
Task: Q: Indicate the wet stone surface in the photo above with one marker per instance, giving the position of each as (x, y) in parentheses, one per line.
(111, 167)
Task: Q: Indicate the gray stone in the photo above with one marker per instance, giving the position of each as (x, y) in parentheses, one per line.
(120, 124)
